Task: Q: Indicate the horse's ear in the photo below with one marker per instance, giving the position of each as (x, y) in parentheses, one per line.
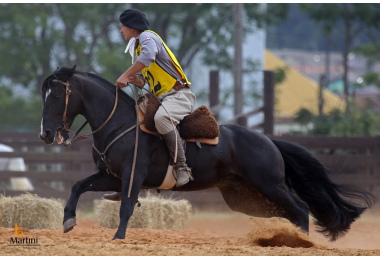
(74, 67)
(64, 73)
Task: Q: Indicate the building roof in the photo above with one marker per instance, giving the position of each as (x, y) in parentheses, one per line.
(297, 91)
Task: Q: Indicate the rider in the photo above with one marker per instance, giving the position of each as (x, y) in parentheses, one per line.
(157, 66)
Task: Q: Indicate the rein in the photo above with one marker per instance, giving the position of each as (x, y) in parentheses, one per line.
(82, 137)
(103, 155)
(66, 125)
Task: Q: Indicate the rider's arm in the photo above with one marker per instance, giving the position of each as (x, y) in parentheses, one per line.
(122, 81)
(149, 50)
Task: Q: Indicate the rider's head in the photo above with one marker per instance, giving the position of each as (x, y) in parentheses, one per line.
(134, 19)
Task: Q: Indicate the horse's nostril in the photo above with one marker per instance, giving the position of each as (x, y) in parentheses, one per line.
(46, 133)
(47, 137)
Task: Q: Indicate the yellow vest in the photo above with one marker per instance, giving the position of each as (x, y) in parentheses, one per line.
(159, 80)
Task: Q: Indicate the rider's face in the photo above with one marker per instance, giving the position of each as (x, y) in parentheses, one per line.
(127, 32)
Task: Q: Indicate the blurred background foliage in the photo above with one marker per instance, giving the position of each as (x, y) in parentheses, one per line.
(361, 122)
(38, 37)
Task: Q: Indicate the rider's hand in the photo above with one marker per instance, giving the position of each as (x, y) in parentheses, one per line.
(122, 81)
(132, 79)
(136, 81)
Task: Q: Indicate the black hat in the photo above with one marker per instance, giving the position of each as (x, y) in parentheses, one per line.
(135, 19)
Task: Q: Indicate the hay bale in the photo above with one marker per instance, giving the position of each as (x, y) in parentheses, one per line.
(30, 211)
(155, 212)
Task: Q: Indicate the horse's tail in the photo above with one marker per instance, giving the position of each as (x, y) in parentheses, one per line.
(308, 178)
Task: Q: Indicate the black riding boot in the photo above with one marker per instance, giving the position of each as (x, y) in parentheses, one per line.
(183, 172)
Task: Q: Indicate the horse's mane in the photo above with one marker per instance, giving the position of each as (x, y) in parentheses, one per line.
(108, 85)
(65, 74)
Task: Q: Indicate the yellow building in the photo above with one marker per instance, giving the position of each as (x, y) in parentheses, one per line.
(297, 91)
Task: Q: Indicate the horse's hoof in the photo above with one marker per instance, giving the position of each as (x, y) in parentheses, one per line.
(69, 224)
(117, 237)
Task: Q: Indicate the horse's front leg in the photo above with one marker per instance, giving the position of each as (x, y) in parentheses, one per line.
(128, 204)
(100, 181)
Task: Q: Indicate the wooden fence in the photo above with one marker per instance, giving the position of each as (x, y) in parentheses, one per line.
(53, 169)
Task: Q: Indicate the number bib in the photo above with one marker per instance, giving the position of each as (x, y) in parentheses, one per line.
(159, 80)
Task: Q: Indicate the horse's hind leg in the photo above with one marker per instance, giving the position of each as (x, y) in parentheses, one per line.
(286, 204)
(289, 206)
(273, 201)
(243, 198)
(100, 181)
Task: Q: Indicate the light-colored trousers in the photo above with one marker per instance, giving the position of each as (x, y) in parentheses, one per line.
(177, 104)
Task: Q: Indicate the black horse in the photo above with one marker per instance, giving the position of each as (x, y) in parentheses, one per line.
(256, 175)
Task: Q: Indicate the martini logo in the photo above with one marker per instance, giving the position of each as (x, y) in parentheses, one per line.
(20, 239)
(18, 231)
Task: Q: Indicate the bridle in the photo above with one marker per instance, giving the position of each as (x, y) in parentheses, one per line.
(66, 125)
(68, 92)
(102, 154)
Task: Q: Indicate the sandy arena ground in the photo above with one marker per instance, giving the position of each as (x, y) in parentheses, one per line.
(208, 234)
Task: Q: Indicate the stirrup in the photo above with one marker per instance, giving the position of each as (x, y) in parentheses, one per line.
(185, 169)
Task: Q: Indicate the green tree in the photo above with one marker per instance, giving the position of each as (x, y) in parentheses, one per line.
(372, 52)
(362, 122)
(321, 125)
(36, 38)
(303, 117)
(19, 113)
(352, 19)
(206, 28)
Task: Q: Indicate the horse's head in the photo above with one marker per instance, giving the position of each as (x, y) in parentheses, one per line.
(60, 106)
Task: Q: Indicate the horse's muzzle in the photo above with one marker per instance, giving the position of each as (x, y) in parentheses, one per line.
(47, 136)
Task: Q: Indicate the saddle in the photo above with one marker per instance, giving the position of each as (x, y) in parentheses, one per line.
(199, 127)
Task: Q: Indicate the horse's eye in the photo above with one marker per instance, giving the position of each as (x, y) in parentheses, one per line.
(56, 92)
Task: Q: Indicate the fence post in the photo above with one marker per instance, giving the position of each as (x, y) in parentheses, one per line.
(376, 153)
(321, 99)
(269, 83)
(238, 58)
(214, 93)
(242, 121)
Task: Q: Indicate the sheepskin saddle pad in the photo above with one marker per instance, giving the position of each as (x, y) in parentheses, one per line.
(200, 126)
